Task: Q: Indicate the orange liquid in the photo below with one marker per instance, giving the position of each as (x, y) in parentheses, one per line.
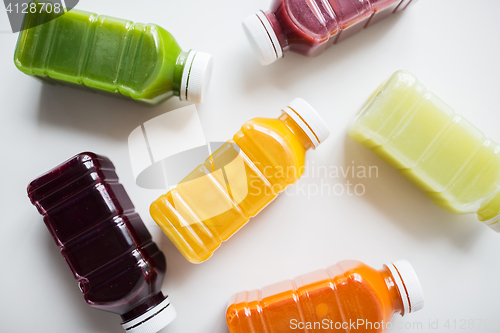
(328, 300)
(235, 183)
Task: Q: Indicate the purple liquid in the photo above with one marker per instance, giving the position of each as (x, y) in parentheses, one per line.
(106, 244)
(349, 12)
(310, 26)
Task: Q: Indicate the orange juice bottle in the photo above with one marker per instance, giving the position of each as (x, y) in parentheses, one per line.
(346, 297)
(238, 180)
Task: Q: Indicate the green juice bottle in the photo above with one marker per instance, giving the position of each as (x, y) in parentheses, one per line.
(439, 151)
(140, 61)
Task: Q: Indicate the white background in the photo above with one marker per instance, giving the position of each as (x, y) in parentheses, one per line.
(451, 45)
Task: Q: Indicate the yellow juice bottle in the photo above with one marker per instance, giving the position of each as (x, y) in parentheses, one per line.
(437, 150)
(238, 180)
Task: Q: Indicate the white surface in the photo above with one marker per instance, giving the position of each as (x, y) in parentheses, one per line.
(451, 45)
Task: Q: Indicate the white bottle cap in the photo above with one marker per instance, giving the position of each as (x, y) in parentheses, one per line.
(408, 285)
(153, 320)
(262, 38)
(309, 120)
(196, 77)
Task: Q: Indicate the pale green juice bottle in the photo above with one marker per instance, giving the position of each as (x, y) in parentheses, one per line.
(140, 61)
(437, 150)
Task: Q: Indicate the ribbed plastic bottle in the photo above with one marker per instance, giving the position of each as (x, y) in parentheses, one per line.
(107, 246)
(439, 151)
(309, 27)
(238, 180)
(346, 297)
(140, 61)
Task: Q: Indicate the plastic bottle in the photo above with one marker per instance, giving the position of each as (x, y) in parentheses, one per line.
(346, 297)
(140, 61)
(106, 244)
(309, 27)
(238, 180)
(439, 151)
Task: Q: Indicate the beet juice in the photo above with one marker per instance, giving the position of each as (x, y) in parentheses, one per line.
(308, 27)
(106, 244)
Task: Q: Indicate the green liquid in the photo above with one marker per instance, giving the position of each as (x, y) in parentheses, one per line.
(436, 149)
(140, 61)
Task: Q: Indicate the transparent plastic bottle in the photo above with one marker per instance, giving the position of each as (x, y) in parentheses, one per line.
(106, 244)
(309, 27)
(238, 180)
(140, 61)
(346, 297)
(439, 151)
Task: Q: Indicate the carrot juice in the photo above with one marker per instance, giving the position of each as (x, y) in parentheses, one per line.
(347, 297)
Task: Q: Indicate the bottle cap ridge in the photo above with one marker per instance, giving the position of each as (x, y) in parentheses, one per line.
(309, 120)
(262, 38)
(408, 285)
(153, 320)
(196, 77)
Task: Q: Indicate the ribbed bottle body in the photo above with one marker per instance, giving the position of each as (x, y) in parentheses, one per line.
(101, 53)
(234, 184)
(422, 137)
(334, 299)
(106, 244)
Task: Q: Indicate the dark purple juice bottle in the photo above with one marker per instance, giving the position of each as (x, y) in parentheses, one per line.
(106, 244)
(308, 27)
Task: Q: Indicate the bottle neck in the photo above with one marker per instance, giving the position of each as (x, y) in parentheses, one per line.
(144, 307)
(296, 130)
(489, 213)
(394, 292)
(278, 30)
(178, 71)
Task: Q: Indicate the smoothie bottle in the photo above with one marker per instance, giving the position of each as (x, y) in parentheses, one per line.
(104, 241)
(346, 297)
(238, 180)
(308, 27)
(439, 151)
(139, 61)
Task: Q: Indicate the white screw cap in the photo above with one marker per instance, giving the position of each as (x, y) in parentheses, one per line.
(262, 38)
(309, 120)
(153, 320)
(408, 284)
(196, 77)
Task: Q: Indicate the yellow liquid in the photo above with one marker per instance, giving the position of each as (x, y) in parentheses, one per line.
(237, 181)
(437, 150)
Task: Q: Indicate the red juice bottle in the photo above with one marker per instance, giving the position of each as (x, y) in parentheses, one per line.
(106, 244)
(308, 27)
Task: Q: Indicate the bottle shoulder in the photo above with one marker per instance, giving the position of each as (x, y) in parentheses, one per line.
(308, 21)
(272, 138)
(356, 280)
